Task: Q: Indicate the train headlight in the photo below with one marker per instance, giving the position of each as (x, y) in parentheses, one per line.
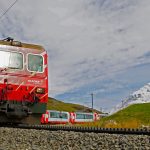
(40, 90)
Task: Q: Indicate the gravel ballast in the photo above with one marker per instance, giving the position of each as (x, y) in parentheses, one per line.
(30, 139)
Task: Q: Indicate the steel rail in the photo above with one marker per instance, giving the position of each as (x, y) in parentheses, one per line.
(144, 131)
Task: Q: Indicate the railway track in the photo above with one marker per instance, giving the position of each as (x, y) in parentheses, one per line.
(80, 129)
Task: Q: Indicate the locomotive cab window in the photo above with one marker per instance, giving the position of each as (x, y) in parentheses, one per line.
(12, 60)
(35, 63)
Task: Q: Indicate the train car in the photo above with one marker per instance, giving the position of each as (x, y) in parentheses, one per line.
(55, 117)
(23, 81)
(81, 117)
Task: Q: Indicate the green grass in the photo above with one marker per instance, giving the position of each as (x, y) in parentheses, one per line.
(54, 104)
(133, 116)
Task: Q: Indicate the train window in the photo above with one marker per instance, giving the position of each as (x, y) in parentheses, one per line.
(54, 115)
(88, 116)
(12, 60)
(84, 116)
(63, 116)
(35, 63)
(58, 115)
(80, 116)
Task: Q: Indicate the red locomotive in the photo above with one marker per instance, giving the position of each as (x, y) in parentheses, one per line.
(62, 117)
(23, 81)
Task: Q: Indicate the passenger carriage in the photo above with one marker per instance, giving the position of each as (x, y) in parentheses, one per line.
(81, 117)
(55, 117)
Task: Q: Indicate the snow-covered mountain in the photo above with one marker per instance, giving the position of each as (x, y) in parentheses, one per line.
(140, 96)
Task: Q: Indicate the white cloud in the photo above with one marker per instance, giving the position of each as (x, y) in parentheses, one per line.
(87, 40)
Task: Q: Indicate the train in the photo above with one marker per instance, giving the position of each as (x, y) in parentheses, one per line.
(23, 81)
(63, 117)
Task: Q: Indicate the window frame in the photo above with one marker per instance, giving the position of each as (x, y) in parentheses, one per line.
(15, 52)
(27, 60)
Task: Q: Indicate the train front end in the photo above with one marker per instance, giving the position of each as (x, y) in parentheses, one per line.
(23, 82)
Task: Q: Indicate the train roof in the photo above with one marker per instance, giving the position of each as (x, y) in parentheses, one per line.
(24, 45)
(57, 111)
(84, 113)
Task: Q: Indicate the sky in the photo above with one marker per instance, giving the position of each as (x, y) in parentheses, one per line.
(94, 46)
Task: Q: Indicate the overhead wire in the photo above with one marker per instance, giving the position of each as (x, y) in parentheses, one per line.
(8, 9)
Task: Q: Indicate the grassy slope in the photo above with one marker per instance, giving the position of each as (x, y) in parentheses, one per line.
(133, 116)
(54, 104)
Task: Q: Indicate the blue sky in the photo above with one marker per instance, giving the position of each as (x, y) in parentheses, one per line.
(94, 46)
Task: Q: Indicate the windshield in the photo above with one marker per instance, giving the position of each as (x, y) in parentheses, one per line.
(35, 63)
(11, 60)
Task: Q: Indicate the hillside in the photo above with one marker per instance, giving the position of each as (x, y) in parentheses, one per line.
(136, 115)
(54, 104)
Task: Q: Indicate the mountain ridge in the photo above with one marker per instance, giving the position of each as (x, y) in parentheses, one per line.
(140, 96)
